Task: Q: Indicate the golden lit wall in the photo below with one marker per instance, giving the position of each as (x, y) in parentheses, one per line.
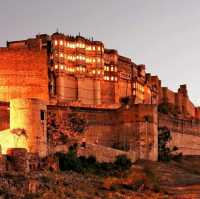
(30, 115)
(23, 74)
(11, 140)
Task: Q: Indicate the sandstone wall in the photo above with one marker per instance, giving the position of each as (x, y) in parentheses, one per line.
(100, 123)
(190, 108)
(86, 90)
(185, 134)
(180, 100)
(138, 125)
(132, 129)
(30, 115)
(23, 74)
(168, 95)
(4, 116)
(107, 92)
(124, 88)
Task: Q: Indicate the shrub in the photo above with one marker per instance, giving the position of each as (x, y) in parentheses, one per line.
(122, 162)
(69, 161)
(82, 164)
(125, 100)
(163, 108)
(32, 196)
(91, 160)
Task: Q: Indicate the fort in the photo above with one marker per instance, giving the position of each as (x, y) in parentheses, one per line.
(56, 89)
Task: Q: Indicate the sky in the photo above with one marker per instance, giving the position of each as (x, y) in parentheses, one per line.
(162, 34)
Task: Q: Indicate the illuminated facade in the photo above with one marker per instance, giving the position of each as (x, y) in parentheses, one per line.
(84, 71)
(54, 73)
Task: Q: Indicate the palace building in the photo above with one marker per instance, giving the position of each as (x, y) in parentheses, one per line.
(84, 71)
(43, 80)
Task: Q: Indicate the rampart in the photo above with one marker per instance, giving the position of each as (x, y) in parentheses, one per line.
(185, 134)
(129, 129)
(181, 101)
(23, 73)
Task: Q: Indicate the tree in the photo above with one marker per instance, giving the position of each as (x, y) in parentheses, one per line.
(165, 153)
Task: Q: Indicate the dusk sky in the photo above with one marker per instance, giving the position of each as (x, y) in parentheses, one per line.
(162, 34)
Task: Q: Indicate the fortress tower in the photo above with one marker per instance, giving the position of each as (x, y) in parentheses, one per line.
(30, 115)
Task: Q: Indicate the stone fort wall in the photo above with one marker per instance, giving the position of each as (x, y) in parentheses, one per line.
(4, 116)
(181, 100)
(23, 73)
(185, 134)
(130, 129)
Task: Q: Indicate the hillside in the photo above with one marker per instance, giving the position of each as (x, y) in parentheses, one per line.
(145, 179)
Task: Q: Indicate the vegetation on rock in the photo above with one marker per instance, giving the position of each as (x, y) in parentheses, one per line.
(70, 161)
(165, 153)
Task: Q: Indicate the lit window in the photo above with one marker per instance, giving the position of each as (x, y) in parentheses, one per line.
(112, 78)
(88, 48)
(115, 78)
(98, 59)
(72, 45)
(93, 71)
(107, 68)
(111, 68)
(93, 60)
(104, 77)
(61, 42)
(99, 48)
(61, 67)
(108, 78)
(83, 69)
(99, 72)
(61, 54)
(56, 42)
(56, 66)
(93, 48)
